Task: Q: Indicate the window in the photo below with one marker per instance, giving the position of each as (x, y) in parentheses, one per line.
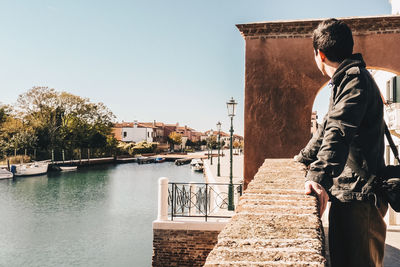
(125, 134)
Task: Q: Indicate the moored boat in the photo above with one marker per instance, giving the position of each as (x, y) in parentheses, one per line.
(68, 168)
(159, 160)
(197, 165)
(183, 161)
(29, 169)
(145, 160)
(5, 174)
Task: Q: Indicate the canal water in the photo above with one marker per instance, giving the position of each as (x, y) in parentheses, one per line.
(96, 216)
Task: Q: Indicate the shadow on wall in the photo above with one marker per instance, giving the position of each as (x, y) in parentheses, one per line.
(392, 256)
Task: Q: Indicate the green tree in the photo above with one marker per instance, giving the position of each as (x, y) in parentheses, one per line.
(190, 143)
(174, 138)
(64, 121)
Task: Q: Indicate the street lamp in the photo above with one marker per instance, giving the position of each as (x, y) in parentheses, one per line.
(211, 134)
(219, 146)
(231, 105)
(208, 145)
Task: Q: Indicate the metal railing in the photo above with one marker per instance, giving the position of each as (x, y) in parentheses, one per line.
(205, 200)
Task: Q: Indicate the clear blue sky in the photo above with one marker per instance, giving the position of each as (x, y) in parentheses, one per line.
(167, 60)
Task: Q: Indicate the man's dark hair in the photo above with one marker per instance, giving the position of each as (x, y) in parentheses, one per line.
(334, 38)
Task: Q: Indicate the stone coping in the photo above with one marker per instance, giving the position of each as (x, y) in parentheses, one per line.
(210, 225)
(275, 224)
(304, 28)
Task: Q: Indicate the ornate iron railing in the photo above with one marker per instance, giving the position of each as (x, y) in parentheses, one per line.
(207, 200)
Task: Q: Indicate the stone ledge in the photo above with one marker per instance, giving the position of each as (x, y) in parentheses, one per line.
(190, 225)
(275, 224)
(304, 28)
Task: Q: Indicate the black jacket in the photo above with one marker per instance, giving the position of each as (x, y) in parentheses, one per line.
(349, 146)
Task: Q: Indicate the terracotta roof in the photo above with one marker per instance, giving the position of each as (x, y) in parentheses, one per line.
(157, 124)
(123, 125)
(238, 136)
(146, 125)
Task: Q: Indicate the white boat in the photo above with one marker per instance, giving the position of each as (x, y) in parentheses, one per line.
(4, 174)
(197, 165)
(68, 168)
(28, 169)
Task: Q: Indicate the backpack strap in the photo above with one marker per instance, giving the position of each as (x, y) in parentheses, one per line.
(391, 143)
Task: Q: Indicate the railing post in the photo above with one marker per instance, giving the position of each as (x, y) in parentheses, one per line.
(173, 204)
(206, 202)
(162, 199)
(192, 196)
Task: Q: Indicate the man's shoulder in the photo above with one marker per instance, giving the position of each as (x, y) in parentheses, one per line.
(355, 70)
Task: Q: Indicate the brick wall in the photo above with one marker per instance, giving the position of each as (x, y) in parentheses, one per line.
(275, 223)
(182, 247)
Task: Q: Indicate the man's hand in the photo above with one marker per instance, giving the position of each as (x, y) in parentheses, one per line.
(297, 158)
(322, 196)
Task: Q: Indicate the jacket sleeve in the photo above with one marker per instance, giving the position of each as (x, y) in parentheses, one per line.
(343, 120)
(309, 153)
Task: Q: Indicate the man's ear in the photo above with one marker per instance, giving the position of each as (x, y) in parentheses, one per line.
(322, 55)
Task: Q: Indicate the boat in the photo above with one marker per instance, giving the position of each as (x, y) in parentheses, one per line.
(159, 160)
(28, 169)
(125, 160)
(183, 161)
(68, 168)
(197, 165)
(5, 174)
(145, 160)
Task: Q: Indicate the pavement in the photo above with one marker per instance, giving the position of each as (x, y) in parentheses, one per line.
(237, 170)
(392, 250)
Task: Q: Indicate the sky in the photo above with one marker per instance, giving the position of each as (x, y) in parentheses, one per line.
(168, 60)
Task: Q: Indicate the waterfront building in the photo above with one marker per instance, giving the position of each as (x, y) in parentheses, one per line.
(134, 132)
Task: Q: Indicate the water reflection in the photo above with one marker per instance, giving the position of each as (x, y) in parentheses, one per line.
(97, 216)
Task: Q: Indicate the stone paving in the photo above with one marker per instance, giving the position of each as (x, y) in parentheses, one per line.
(225, 168)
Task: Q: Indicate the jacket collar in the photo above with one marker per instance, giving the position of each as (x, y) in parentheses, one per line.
(352, 61)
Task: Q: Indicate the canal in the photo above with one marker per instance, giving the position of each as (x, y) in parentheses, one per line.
(96, 216)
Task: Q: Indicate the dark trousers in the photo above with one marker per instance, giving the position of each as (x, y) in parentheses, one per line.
(357, 234)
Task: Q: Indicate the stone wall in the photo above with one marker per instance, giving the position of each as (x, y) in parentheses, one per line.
(183, 243)
(282, 80)
(275, 223)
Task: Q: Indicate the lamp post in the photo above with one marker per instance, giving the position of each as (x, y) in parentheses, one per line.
(219, 146)
(231, 105)
(208, 145)
(211, 134)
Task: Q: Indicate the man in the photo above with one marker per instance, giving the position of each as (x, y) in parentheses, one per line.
(347, 151)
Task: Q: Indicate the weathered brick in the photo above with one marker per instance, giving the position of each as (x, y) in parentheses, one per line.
(182, 247)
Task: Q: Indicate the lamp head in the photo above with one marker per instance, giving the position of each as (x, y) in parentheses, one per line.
(231, 105)
(219, 126)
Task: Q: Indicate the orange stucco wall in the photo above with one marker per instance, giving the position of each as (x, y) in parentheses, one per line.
(282, 81)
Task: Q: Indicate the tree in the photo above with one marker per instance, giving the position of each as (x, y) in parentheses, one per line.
(190, 143)
(58, 120)
(174, 138)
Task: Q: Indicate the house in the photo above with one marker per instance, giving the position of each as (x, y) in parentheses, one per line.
(158, 130)
(134, 132)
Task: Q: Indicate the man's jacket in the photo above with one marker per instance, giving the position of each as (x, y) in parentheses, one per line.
(349, 145)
